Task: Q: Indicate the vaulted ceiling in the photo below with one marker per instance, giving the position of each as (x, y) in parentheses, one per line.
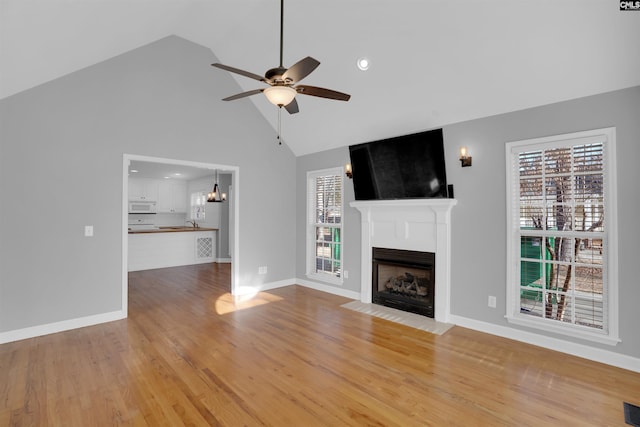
(433, 62)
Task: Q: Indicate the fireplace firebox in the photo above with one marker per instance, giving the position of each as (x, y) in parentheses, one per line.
(404, 280)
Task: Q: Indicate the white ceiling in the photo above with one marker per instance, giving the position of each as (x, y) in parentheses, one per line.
(434, 62)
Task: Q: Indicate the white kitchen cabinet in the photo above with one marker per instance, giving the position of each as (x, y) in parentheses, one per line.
(143, 189)
(172, 197)
(171, 249)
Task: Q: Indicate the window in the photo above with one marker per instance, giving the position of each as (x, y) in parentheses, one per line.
(198, 203)
(561, 219)
(324, 236)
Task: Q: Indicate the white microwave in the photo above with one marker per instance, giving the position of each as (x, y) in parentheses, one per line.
(142, 207)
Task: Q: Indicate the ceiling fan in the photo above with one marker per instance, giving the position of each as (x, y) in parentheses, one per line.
(282, 81)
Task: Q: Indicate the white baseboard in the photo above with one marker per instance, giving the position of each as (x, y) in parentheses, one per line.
(276, 285)
(328, 289)
(65, 325)
(254, 289)
(223, 260)
(302, 282)
(598, 355)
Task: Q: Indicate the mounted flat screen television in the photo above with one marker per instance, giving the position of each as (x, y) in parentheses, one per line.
(404, 167)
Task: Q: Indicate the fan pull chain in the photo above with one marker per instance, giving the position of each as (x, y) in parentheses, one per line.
(280, 126)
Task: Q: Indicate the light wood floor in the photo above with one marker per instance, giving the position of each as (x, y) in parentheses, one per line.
(190, 355)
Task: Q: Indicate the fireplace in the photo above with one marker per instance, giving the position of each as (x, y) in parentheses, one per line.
(414, 225)
(404, 280)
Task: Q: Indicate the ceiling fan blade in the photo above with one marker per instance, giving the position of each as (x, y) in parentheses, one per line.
(243, 95)
(322, 92)
(239, 71)
(301, 69)
(292, 107)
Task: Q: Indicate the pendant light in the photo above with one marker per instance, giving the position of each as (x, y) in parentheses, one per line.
(215, 195)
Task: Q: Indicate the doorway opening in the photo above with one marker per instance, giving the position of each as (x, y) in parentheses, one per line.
(198, 169)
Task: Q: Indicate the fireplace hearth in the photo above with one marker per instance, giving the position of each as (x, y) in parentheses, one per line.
(404, 280)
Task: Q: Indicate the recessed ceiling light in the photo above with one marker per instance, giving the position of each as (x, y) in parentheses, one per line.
(177, 174)
(134, 170)
(363, 63)
(167, 177)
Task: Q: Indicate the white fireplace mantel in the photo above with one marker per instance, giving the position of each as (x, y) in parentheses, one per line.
(410, 224)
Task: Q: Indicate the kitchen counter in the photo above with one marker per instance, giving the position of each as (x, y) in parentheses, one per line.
(170, 247)
(179, 229)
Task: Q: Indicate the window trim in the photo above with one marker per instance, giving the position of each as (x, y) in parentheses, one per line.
(310, 225)
(513, 315)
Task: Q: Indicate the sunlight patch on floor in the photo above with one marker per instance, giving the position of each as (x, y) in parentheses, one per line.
(228, 303)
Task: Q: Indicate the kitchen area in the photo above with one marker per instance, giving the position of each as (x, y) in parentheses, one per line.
(177, 215)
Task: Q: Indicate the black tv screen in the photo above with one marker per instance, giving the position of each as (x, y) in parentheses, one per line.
(404, 167)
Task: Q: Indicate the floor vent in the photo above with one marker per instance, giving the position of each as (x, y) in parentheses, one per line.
(632, 414)
(204, 247)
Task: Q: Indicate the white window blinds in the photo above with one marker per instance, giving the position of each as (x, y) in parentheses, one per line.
(324, 238)
(560, 233)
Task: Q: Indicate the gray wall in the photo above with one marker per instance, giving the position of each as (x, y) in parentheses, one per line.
(61, 156)
(223, 235)
(479, 230)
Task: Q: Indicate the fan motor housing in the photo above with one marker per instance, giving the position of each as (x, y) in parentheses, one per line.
(274, 75)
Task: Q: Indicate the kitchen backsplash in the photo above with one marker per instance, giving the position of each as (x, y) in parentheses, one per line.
(175, 219)
(160, 219)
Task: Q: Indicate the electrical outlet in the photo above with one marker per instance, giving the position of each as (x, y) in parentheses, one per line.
(262, 270)
(492, 301)
(345, 274)
(88, 231)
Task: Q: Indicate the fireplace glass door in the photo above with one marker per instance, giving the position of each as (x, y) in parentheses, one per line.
(404, 280)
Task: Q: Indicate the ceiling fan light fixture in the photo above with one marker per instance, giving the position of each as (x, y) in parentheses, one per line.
(282, 92)
(280, 95)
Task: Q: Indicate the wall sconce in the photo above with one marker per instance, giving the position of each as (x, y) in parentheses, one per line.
(465, 158)
(348, 171)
